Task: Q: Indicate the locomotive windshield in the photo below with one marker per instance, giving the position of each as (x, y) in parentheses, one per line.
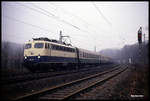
(27, 46)
(38, 45)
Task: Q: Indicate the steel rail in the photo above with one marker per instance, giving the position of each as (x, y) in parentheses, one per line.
(37, 93)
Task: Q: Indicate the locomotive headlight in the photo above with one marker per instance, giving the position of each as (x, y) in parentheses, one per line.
(39, 56)
(25, 57)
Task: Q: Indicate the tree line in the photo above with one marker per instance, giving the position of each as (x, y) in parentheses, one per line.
(12, 57)
(139, 54)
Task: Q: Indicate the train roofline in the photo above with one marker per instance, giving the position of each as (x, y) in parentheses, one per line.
(50, 43)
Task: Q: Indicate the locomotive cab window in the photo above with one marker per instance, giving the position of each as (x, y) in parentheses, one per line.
(38, 45)
(27, 46)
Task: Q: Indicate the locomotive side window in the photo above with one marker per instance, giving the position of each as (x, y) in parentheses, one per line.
(38, 45)
(53, 47)
(27, 46)
(61, 48)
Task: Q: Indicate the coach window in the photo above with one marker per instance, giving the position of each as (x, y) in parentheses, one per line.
(80, 54)
(38, 45)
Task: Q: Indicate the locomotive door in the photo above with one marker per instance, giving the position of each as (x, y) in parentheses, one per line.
(77, 54)
(49, 49)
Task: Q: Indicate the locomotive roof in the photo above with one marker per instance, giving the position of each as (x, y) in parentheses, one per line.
(48, 40)
(92, 52)
(45, 39)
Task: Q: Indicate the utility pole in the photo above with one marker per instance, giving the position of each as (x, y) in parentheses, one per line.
(140, 35)
(144, 39)
(95, 48)
(60, 36)
(140, 43)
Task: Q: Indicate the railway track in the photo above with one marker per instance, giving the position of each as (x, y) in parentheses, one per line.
(69, 89)
(33, 76)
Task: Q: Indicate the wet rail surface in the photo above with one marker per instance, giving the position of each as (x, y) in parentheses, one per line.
(66, 90)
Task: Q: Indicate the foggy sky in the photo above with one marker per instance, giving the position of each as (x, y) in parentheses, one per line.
(89, 24)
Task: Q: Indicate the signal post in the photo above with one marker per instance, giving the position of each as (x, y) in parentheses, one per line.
(140, 42)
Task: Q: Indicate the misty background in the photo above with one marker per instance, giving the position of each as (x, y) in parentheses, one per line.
(111, 27)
